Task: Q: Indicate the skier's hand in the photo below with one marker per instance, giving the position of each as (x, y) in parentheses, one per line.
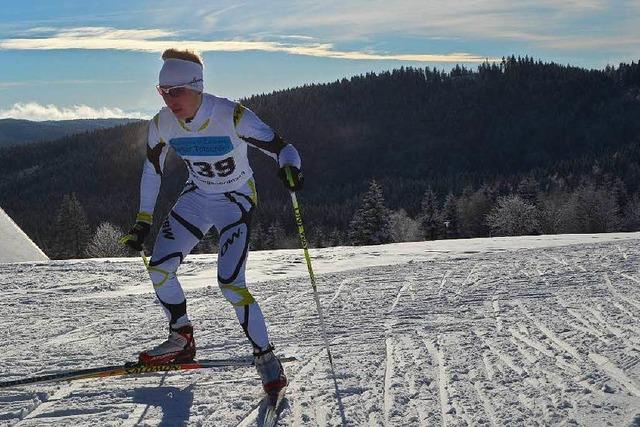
(294, 180)
(135, 238)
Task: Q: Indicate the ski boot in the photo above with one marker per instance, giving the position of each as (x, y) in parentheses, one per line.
(178, 348)
(270, 370)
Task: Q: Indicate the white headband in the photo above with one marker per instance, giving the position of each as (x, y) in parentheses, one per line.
(176, 72)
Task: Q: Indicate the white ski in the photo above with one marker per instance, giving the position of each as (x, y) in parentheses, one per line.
(271, 411)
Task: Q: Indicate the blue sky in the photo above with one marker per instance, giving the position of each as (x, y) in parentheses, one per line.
(77, 59)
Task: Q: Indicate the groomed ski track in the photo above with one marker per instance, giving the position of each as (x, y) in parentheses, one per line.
(525, 331)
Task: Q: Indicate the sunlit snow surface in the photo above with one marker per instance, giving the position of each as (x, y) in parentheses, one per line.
(15, 245)
(528, 331)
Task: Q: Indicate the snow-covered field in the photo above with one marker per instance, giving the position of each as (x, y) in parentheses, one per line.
(510, 331)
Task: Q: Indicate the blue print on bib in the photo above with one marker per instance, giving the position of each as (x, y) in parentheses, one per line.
(202, 145)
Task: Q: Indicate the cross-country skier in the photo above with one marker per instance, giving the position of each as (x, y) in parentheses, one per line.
(211, 135)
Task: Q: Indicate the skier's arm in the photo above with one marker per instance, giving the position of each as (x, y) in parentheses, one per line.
(149, 187)
(257, 134)
(152, 170)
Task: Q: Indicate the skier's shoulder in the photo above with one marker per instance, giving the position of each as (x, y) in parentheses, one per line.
(221, 104)
(163, 119)
(227, 107)
(220, 101)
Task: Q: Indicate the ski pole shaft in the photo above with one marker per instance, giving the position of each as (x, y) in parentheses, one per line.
(305, 248)
(144, 259)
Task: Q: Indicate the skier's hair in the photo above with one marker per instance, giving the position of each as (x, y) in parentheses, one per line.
(186, 54)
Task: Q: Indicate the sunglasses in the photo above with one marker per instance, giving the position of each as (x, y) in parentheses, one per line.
(175, 91)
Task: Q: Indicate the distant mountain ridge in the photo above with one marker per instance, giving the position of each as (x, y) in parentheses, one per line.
(20, 131)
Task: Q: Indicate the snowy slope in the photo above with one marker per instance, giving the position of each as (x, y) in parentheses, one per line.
(515, 331)
(15, 245)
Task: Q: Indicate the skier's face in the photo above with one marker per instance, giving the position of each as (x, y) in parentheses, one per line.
(182, 102)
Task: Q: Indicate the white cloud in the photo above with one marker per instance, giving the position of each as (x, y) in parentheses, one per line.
(532, 22)
(37, 112)
(32, 83)
(147, 40)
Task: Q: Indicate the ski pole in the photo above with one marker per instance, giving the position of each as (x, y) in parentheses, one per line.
(305, 248)
(144, 259)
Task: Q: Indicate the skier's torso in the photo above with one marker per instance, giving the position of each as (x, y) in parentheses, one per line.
(215, 156)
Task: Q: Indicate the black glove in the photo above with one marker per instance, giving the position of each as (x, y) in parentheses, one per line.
(136, 235)
(297, 179)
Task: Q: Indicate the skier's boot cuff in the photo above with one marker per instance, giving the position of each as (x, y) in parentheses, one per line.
(270, 370)
(180, 347)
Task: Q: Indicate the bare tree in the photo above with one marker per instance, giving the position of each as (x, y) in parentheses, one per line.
(104, 242)
(512, 216)
(404, 228)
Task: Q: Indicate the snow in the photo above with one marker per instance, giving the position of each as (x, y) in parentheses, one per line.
(541, 330)
(16, 245)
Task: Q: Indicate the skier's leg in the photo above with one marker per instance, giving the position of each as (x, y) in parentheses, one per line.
(179, 233)
(232, 258)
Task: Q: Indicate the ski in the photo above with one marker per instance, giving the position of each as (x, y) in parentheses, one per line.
(273, 405)
(131, 369)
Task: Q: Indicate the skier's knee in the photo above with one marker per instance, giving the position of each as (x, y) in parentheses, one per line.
(237, 294)
(161, 272)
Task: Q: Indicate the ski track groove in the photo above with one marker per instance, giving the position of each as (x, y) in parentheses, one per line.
(597, 315)
(626, 276)
(436, 353)
(442, 282)
(63, 391)
(466, 279)
(616, 373)
(398, 296)
(536, 345)
(489, 410)
(140, 409)
(617, 294)
(555, 340)
(294, 386)
(496, 312)
(335, 296)
(387, 397)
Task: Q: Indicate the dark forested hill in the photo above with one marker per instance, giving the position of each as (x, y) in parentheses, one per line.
(409, 129)
(16, 131)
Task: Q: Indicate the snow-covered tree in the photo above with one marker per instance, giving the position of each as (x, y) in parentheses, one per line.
(448, 218)
(632, 214)
(529, 189)
(598, 209)
(590, 209)
(512, 216)
(275, 236)
(429, 215)
(104, 242)
(71, 229)
(256, 241)
(336, 238)
(551, 208)
(472, 209)
(404, 228)
(371, 224)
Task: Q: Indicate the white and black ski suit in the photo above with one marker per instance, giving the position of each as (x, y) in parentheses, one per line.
(220, 192)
